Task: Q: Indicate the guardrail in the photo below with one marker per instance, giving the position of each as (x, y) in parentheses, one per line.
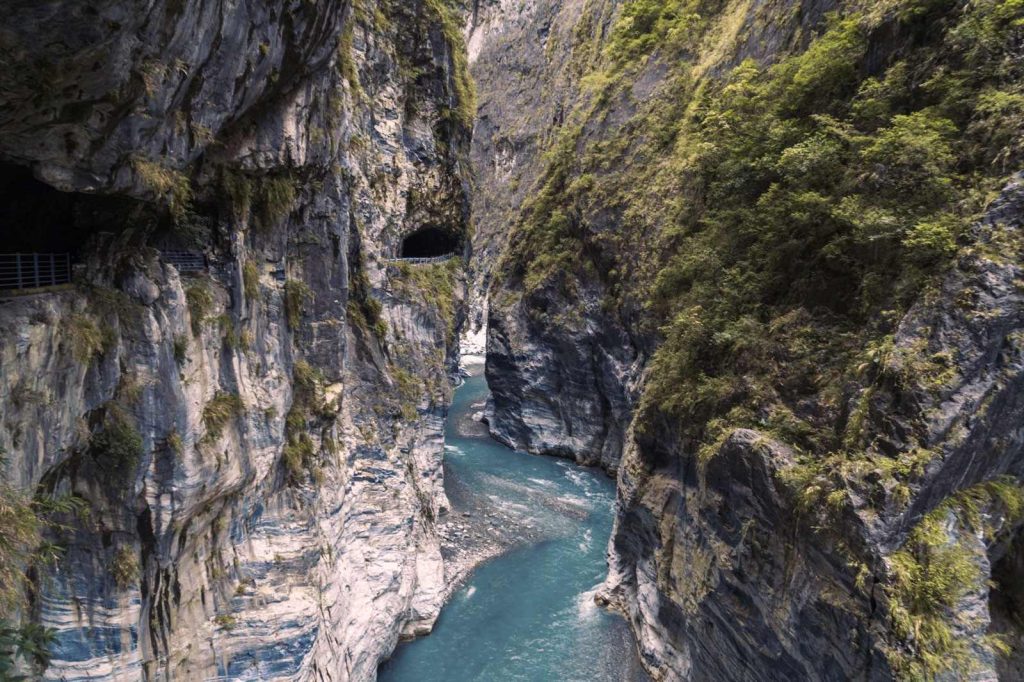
(34, 270)
(185, 261)
(423, 261)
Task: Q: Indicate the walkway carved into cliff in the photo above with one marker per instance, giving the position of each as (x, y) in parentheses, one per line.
(422, 261)
(34, 270)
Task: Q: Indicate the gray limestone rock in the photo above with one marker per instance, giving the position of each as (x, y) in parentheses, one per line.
(271, 514)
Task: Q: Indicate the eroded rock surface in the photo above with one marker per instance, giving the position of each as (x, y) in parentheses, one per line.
(567, 394)
(699, 542)
(257, 446)
(752, 554)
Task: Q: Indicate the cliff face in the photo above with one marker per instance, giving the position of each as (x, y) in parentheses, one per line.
(567, 393)
(701, 539)
(255, 447)
(772, 270)
(521, 55)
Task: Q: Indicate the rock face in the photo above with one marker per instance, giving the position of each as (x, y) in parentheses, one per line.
(256, 446)
(522, 59)
(569, 394)
(696, 543)
(755, 554)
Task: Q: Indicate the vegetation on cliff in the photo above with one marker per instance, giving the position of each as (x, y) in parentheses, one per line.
(24, 519)
(934, 571)
(769, 219)
(794, 209)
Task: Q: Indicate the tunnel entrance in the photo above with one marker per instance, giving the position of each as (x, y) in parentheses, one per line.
(430, 242)
(44, 229)
(35, 217)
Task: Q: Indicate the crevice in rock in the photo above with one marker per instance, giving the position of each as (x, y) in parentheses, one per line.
(1006, 608)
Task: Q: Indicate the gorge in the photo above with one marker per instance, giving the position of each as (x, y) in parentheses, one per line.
(530, 613)
(751, 267)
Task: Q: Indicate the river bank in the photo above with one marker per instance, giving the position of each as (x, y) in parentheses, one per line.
(476, 529)
(524, 544)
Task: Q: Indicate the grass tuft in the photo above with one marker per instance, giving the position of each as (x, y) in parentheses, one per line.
(223, 408)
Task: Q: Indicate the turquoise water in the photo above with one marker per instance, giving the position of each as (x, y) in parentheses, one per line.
(528, 614)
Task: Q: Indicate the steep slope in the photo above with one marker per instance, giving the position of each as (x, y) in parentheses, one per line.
(771, 257)
(253, 451)
(528, 61)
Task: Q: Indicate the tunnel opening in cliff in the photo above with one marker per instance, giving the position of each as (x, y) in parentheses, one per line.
(430, 242)
(39, 218)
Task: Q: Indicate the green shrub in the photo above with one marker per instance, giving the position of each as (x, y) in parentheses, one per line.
(166, 184)
(409, 389)
(200, 304)
(827, 71)
(251, 281)
(175, 443)
(239, 189)
(307, 405)
(223, 408)
(933, 572)
(20, 535)
(125, 567)
(364, 311)
(934, 239)
(180, 349)
(296, 455)
(646, 25)
(23, 521)
(346, 62)
(296, 296)
(266, 199)
(29, 644)
(87, 341)
(228, 334)
(306, 381)
(276, 200)
(192, 228)
(117, 446)
(225, 621)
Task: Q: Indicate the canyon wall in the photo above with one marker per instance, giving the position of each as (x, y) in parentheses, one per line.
(766, 267)
(253, 446)
(528, 60)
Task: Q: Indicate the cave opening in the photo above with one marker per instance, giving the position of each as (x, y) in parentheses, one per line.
(36, 217)
(45, 229)
(430, 242)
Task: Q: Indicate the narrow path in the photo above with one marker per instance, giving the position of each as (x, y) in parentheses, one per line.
(528, 614)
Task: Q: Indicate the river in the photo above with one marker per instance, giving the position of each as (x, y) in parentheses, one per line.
(528, 614)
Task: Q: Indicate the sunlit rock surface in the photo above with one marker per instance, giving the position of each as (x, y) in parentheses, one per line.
(294, 145)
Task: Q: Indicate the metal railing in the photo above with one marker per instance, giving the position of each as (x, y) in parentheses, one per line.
(423, 261)
(185, 261)
(34, 270)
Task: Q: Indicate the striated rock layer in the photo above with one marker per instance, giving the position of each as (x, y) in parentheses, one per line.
(700, 541)
(567, 394)
(826, 493)
(256, 446)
